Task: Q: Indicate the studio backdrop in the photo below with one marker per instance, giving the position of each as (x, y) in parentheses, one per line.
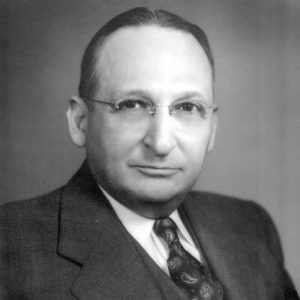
(256, 45)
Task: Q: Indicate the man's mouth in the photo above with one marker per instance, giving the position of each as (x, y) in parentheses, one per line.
(156, 171)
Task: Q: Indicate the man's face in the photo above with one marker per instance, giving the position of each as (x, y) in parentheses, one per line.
(149, 168)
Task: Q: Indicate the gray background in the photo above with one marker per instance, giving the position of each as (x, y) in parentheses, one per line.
(256, 46)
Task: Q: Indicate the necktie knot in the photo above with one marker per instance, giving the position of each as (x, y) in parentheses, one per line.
(167, 229)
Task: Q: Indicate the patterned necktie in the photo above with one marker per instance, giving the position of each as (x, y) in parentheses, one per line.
(189, 274)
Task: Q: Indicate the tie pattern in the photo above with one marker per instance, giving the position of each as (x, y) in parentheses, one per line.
(189, 274)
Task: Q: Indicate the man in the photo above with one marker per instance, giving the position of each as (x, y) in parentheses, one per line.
(126, 226)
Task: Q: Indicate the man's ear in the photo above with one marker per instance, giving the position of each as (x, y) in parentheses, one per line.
(77, 115)
(213, 131)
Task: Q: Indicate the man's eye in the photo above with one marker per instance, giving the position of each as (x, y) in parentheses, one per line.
(189, 107)
(131, 104)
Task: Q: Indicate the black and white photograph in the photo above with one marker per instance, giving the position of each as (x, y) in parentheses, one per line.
(150, 149)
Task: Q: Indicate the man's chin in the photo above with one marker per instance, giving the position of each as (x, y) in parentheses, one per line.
(152, 203)
(156, 194)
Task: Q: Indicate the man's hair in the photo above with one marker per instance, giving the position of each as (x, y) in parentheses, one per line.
(135, 17)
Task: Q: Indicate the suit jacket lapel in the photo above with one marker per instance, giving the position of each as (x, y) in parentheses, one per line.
(92, 236)
(225, 251)
(114, 270)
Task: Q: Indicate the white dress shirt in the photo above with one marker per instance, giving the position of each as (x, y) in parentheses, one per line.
(141, 229)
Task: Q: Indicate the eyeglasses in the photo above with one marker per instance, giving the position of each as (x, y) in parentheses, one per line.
(136, 111)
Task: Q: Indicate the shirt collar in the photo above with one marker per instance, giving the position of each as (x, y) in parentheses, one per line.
(140, 227)
(183, 233)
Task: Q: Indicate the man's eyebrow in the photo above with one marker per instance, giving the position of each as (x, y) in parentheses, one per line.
(133, 92)
(189, 95)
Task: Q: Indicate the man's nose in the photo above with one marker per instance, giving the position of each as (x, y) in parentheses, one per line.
(160, 133)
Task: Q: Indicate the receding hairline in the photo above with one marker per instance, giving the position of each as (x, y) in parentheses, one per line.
(136, 17)
(99, 50)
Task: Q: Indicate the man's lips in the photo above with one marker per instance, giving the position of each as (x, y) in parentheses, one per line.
(156, 171)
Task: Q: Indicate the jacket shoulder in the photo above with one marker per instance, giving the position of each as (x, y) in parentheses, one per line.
(30, 213)
(243, 217)
(224, 204)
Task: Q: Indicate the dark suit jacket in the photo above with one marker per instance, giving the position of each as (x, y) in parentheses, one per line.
(69, 244)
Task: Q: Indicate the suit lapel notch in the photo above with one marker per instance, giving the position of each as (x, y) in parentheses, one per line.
(84, 215)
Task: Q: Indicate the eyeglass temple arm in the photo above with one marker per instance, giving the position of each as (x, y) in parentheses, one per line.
(99, 101)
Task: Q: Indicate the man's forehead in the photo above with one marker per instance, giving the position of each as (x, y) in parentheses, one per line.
(143, 33)
(148, 45)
